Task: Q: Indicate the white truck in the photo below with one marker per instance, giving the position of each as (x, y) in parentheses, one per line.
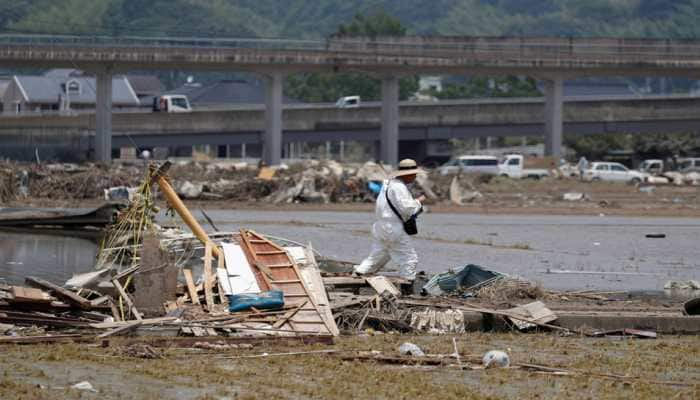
(653, 167)
(171, 103)
(513, 166)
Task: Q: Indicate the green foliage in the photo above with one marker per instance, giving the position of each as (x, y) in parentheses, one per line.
(595, 147)
(379, 24)
(660, 145)
(509, 86)
(319, 18)
(326, 87)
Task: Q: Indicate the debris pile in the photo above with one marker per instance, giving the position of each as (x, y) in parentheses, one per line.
(246, 284)
(309, 181)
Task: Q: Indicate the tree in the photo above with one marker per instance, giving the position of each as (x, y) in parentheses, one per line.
(328, 87)
(479, 87)
(379, 24)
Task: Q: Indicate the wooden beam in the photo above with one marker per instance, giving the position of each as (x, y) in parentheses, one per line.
(191, 289)
(126, 298)
(120, 330)
(60, 292)
(146, 321)
(208, 293)
(221, 264)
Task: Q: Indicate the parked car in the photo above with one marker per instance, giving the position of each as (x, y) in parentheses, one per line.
(688, 165)
(654, 167)
(348, 102)
(613, 172)
(471, 164)
(517, 166)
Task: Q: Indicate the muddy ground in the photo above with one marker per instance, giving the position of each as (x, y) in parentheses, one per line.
(668, 367)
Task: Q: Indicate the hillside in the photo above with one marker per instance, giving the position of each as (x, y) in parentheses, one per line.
(318, 18)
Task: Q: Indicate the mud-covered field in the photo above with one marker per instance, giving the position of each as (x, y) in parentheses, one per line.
(665, 368)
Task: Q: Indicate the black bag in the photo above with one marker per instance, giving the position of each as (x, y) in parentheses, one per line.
(409, 226)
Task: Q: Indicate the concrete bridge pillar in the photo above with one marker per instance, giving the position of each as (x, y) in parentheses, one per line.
(389, 140)
(553, 109)
(272, 140)
(103, 117)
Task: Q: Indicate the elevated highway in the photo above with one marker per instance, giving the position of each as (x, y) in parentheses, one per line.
(551, 60)
(420, 123)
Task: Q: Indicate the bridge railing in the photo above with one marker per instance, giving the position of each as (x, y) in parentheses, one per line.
(520, 47)
(419, 46)
(161, 42)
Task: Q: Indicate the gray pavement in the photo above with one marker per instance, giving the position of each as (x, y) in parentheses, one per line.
(561, 252)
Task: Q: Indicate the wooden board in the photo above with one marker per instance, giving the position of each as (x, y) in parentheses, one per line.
(284, 275)
(241, 276)
(29, 295)
(381, 284)
(267, 173)
(126, 298)
(312, 276)
(191, 289)
(208, 276)
(60, 292)
(146, 321)
(535, 311)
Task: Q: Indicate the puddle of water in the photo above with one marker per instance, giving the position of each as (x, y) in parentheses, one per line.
(51, 257)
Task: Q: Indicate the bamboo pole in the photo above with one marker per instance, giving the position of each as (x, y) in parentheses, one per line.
(177, 205)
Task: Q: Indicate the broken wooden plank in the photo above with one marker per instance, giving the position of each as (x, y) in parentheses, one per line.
(120, 330)
(60, 292)
(314, 282)
(222, 266)
(100, 300)
(25, 318)
(115, 311)
(126, 298)
(381, 284)
(355, 281)
(145, 321)
(535, 311)
(190, 285)
(46, 339)
(208, 293)
(22, 294)
(286, 317)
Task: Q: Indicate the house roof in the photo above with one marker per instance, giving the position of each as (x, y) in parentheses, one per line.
(145, 85)
(4, 83)
(47, 89)
(226, 92)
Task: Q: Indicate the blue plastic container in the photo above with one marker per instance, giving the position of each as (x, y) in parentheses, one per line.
(262, 301)
(375, 186)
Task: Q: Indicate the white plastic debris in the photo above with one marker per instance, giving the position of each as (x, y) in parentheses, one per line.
(410, 349)
(496, 359)
(84, 385)
(574, 196)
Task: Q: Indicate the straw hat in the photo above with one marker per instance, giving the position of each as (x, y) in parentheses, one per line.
(407, 167)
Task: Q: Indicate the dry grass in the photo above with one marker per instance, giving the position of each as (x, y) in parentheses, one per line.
(193, 374)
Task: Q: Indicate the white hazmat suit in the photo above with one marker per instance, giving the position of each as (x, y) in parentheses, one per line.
(390, 241)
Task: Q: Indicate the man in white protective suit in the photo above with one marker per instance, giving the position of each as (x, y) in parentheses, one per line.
(390, 240)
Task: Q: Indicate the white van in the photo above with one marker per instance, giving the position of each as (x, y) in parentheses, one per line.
(348, 102)
(471, 164)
